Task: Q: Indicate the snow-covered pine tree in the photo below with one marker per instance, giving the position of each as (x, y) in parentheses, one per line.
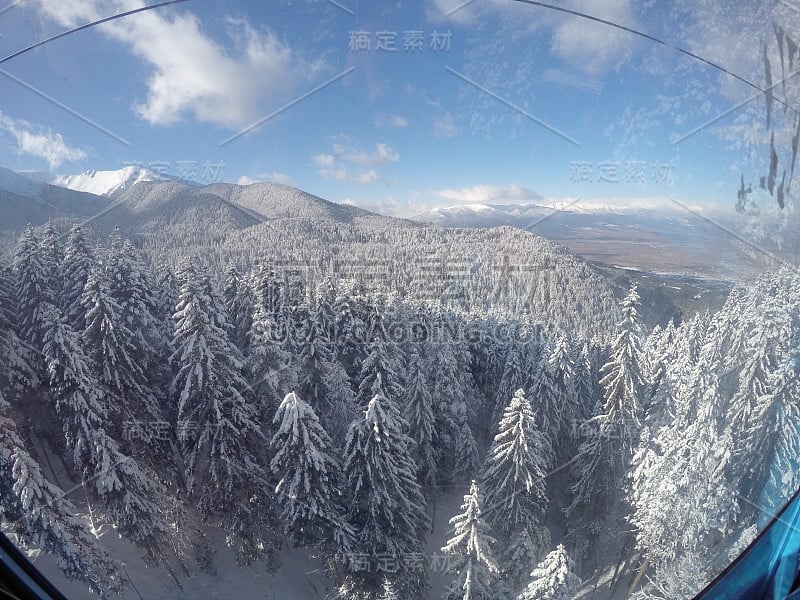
(131, 285)
(138, 423)
(518, 460)
(553, 579)
(323, 313)
(386, 505)
(129, 496)
(111, 347)
(458, 453)
(270, 370)
(611, 435)
(623, 381)
(561, 361)
(16, 357)
(552, 408)
(32, 287)
(585, 384)
(217, 426)
(418, 412)
(513, 477)
(268, 290)
(683, 526)
(515, 375)
(351, 309)
(308, 488)
(78, 263)
(785, 388)
(379, 374)
(326, 386)
(755, 407)
(237, 296)
(38, 513)
(52, 253)
(477, 573)
(8, 301)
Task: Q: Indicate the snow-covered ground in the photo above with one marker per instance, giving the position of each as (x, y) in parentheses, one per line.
(300, 576)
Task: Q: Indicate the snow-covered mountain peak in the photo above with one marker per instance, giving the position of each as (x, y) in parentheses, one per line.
(107, 183)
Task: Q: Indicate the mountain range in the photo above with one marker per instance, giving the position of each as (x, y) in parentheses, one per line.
(662, 238)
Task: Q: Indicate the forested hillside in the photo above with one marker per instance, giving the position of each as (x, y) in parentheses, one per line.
(321, 384)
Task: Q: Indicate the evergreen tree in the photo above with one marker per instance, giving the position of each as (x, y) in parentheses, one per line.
(239, 304)
(553, 579)
(52, 253)
(623, 381)
(111, 347)
(217, 426)
(418, 413)
(514, 479)
(458, 451)
(324, 382)
(131, 285)
(269, 368)
(308, 487)
(386, 505)
(129, 495)
(78, 263)
(514, 470)
(32, 287)
(40, 516)
(612, 433)
(476, 571)
(378, 375)
(514, 377)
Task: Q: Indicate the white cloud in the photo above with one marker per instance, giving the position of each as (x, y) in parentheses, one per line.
(483, 194)
(40, 142)
(282, 178)
(389, 206)
(595, 47)
(398, 121)
(323, 160)
(274, 177)
(445, 127)
(347, 162)
(192, 74)
(347, 152)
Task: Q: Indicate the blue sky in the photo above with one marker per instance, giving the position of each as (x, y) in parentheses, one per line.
(495, 102)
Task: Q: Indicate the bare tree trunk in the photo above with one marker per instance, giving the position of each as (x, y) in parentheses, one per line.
(638, 577)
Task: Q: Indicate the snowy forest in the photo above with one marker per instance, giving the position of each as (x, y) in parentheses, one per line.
(154, 395)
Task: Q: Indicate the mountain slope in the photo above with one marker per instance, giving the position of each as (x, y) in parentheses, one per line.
(25, 200)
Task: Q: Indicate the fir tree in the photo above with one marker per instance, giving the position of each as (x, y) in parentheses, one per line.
(476, 571)
(40, 516)
(269, 368)
(239, 304)
(308, 485)
(553, 579)
(386, 505)
(52, 253)
(418, 412)
(32, 287)
(78, 263)
(128, 494)
(514, 470)
(514, 479)
(217, 426)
